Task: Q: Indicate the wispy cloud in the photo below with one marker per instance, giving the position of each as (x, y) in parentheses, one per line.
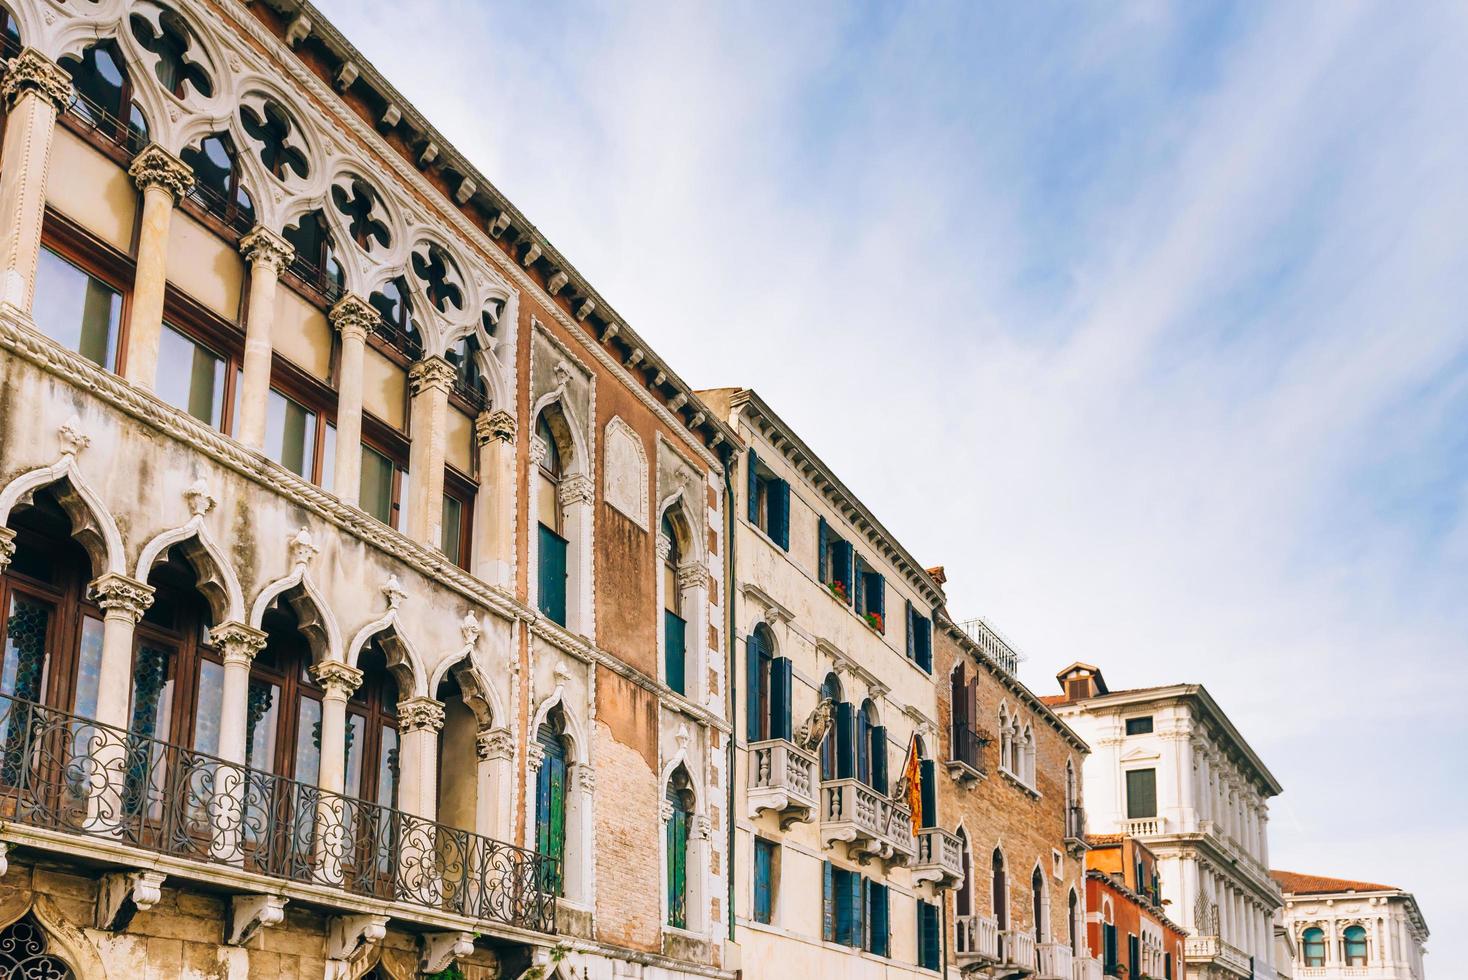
(1149, 324)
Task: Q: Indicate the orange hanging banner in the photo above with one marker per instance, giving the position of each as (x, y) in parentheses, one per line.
(912, 783)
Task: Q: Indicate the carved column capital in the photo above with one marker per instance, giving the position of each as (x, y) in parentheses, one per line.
(431, 373)
(692, 575)
(494, 425)
(31, 71)
(665, 811)
(577, 489)
(665, 546)
(420, 715)
(118, 594)
(586, 778)
(492, 744)
(156, 167)
(339, 680)
(534, 756)
(7, 547)
(353, 317)
(263, 247)
(538, 450)
(237, 642)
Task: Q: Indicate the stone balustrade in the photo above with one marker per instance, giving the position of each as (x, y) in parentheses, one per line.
(782, 780)
(869, 822)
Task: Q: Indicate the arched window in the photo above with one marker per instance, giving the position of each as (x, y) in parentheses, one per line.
(397, 324)
(283, 711)
(963, 902)
(218, 183)
(171, 41)
(674, 624)
(550, 799)
(759, 652)
(468, 379)
(372, 731)
(836, 747)
(1313, 944)
(10, 43)
(1037, 904)
(1006, 749)
(315, 262)
(25, 952)
(679, 824)
(1026, 770)
(874, 746)
(1000, 892)
(271, 128)
(1355, 946)
(1073, 922)
(104, 95)
(178, 678)
(553, 546)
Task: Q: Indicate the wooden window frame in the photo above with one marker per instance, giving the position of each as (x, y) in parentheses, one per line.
(114, 269)
(465, 490)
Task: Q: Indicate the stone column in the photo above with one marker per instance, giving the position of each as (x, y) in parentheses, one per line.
(35, 89)
(429, 381)
(335, 817)
(534, 758)
(267, 255)
(578, 494)
(693, 591)
(495, 782)
(163, 178)
(664, 547)
(494, 521)
(353, 317)
(123, 601)
(238, 643)
(419, 722)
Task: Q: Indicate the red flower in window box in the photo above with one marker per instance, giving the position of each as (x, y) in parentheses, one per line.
(874, 620)
(838, 589)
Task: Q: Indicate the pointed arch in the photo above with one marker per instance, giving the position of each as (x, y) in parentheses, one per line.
(574, 733)
(567, 429)
(479, 691)
(670, 768)
(403, 660)
(65, 941)
(306, 600)
(91, 523)
(216, 577)
(682, 517)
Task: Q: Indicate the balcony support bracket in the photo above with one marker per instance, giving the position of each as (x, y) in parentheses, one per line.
(248, 914)
(123, 895)
(4, 857)
(350, 935)
(440, 950)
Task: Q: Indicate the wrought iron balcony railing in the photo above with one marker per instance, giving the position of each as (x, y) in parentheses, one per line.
(782, 779)
(60, 772)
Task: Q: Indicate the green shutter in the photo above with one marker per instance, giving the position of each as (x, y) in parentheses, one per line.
(911, 632)
(764, 861)
(858, 586)
(823, 561)
(781, 684)
(828, 902)
(677, 841)
(674, 631)
(552, 575)
(845, 723)
(751, 687)
(753, 487)
(928, 768)
(879, 758)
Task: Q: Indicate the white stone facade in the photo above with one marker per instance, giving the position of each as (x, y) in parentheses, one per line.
(1389, 945)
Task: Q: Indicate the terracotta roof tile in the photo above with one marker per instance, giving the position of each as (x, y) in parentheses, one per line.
(1299, 884)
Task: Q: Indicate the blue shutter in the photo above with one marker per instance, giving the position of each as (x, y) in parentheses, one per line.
(828, 902)
(674, 644)
(823, 570)
(552, 575)
(911, 632)
(929, 939)
(863, 735)
(781, 676)
(764, 854)
(879, 605)
(855, 900)
(780, 516)
(845, 723)
(879, 758)
(858, 586)
(928, 769)
(753, 487)
(751, 687)
(848, 907)
(848, 563)
(880, 928)
(925, 643)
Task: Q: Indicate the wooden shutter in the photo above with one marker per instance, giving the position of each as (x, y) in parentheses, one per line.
(674, 650)
(823, 561)
(780, 513)
(848, 561)
(828, 902)
(764, 853)
(928, 768)
(879, 758)
(752, 679)
(863, 737)
(879, 604)
(781, 678)
(678, 869)
(753, 487)
(858, 586)
(845, 723)
(911, 632)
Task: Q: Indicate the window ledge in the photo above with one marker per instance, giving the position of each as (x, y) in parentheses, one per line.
(1020, 783)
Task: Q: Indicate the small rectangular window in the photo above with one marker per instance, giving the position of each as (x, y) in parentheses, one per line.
(190, 377)
(878, 935)
(764, 879)
(76, 310)
(1141, 794)
(290, 434)
(1139, 726)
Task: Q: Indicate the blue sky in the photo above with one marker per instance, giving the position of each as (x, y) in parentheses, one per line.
(1147, 321)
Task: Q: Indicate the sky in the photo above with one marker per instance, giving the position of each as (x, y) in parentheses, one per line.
(1149, 322)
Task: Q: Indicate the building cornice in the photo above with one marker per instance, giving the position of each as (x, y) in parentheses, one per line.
(1126, 891)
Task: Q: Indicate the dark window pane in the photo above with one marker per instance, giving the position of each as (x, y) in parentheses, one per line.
(451, 528)
(262, 711)
(1139, 726)
(377, 485)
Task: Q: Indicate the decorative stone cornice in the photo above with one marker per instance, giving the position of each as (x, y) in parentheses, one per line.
(237, 642)
(336, 678)
(353, 316)
(119, 594)
(577, 489)
(433, 373)
(493, 744)
(32, 71)
(498, 424)
(421, 714)
(156, 167)
(263, 247)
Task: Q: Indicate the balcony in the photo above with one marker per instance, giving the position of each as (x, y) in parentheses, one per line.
(874, 826)
(975, 941)
(1085, 968)
(939, 858)
(1016, 952)
(1054, 961)
(1146, 827)
(967, 762)
(1205, 950)
(72, 786)
(782, 779)
(1075, 827)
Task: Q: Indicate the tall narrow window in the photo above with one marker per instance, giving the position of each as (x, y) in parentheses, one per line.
(963, 901)
(1000, 895)
(552, 545)
(315, 263)
(674, 625)
(834, 561)
(928, 935)
(1355, 946)
(769, 691)
(550, 801)
(679, 823)
(765, 852)
(1313, 943)
(1037, 904)
(1073, 922)
(104, 96)
(1141, 794)
(769, 502)
(191, 377)
(381, 489)
(878, 937)
(77, 310)
(397, 323)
